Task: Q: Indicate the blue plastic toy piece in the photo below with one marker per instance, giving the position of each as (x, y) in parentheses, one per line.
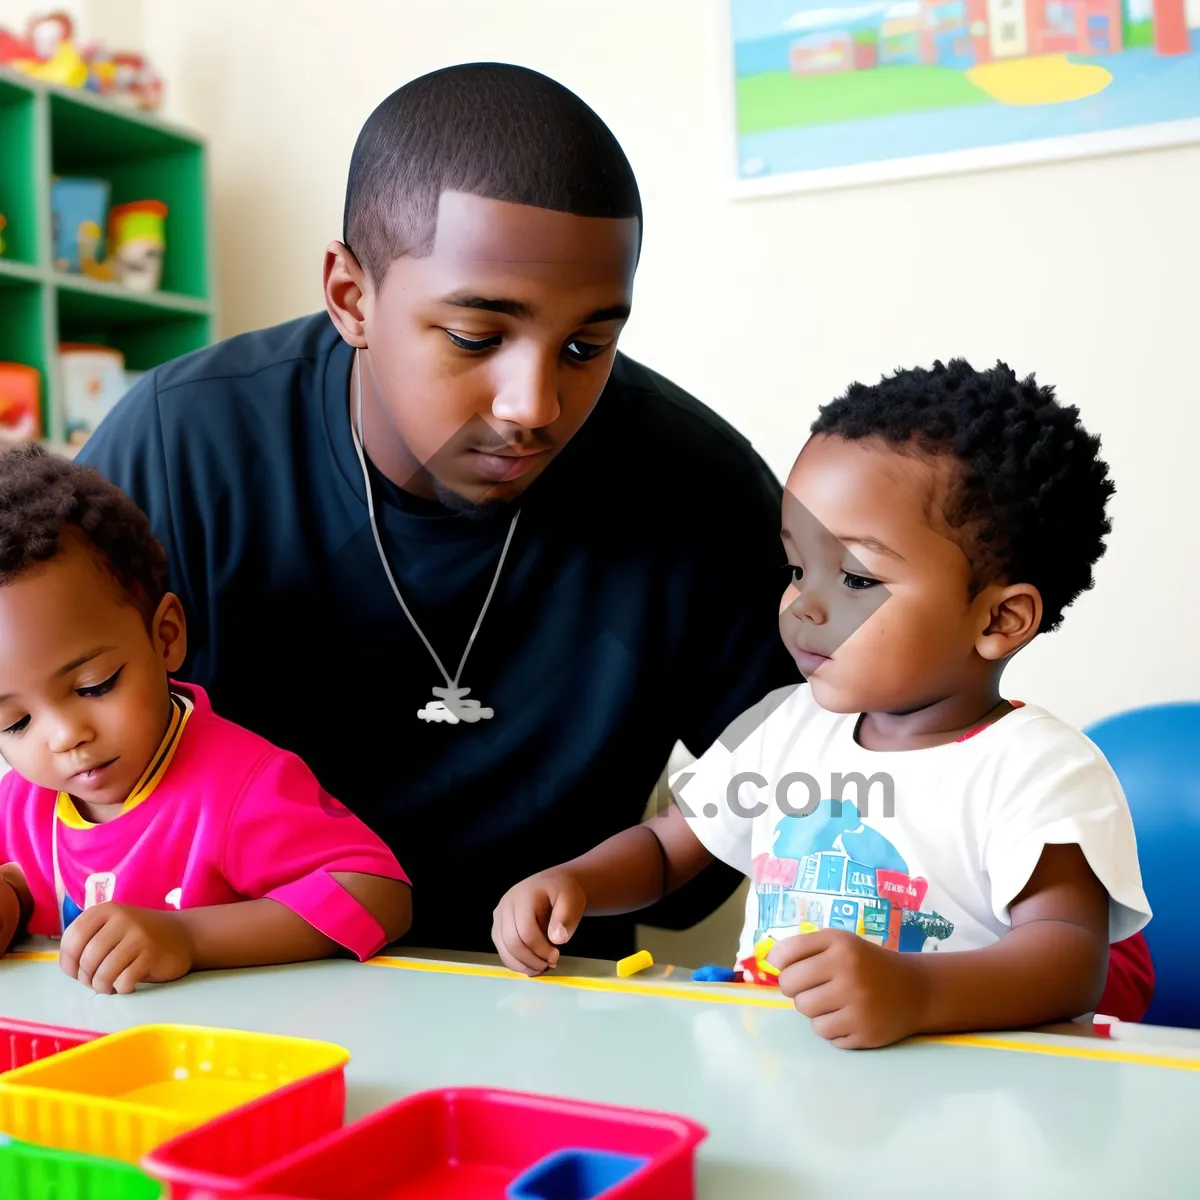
(1153, 751)
(574, 1175)
(715, 974)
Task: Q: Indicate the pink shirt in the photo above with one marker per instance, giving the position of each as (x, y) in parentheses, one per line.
(221, 816)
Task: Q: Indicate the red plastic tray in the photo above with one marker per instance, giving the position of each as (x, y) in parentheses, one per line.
(23, 1042)
(472, 1143)
(215, 1159)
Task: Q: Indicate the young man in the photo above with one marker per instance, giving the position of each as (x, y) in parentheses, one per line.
(486, 633)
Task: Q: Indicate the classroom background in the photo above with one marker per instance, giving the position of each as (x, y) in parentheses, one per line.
(1081, 271)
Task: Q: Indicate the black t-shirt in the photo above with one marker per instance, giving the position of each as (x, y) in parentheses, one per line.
(637, 606)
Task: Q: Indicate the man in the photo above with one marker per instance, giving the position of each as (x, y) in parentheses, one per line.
(477, 568)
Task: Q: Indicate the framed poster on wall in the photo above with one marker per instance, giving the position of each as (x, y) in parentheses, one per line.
(826, 93)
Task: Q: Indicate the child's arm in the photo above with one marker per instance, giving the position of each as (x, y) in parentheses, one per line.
(631, 870)
(112, 947)
(16, 905)
(1050, 967)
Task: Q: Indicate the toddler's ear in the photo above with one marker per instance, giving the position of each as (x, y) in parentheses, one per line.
(1010, 617)
(169, 632)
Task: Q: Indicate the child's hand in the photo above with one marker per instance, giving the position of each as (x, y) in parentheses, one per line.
(858, 995)
(535, 917)
(112, 948)
(10, 914)
(16, 903)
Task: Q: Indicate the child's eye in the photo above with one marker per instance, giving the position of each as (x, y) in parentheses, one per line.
(19, 726)
(100, 689)
(859, 583)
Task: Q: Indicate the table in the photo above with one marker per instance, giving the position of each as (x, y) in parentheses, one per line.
(1058, 1113)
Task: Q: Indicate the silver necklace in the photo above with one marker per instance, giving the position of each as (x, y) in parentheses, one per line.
(449, 703)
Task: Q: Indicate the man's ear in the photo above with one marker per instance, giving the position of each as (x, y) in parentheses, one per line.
(1009, 619)
(345, 290)
(168, 631)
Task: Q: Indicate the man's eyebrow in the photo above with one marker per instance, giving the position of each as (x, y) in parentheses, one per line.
(522, 311)
(496, 304)
(870, 543)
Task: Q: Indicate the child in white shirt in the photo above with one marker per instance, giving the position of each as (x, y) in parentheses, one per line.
(934, 523)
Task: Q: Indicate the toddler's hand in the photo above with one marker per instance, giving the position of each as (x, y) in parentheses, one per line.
(535, 917)
(858, 995)
(14, 891)
(112, 948)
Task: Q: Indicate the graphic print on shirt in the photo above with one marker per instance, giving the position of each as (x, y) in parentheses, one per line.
(829, 870)
(98, 888)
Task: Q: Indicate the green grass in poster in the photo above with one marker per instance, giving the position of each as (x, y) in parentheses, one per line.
(779, 100)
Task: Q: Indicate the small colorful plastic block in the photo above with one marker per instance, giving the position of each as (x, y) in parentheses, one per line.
(634, 963)
(716, 974)
(575, 1175)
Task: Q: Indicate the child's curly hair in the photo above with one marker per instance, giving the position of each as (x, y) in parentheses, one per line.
(44, 497)
(1030, 491)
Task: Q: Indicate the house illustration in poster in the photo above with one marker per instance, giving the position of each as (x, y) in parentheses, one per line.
(828, 84)
(829, 870)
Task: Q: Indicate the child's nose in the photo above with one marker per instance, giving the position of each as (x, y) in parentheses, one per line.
(66, 733)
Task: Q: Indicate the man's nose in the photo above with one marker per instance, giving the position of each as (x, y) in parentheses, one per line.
(528, 396)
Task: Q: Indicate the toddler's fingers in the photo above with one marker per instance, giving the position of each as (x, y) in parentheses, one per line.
(819, 1001)
(137, 972)
(530, 963)
(75, 944)
(530, 926)
(568, 911)
(118, 959)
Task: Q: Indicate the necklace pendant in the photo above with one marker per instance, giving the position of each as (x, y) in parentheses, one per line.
(452, 707)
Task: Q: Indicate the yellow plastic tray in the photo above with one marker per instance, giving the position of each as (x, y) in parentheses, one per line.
(122, 1095)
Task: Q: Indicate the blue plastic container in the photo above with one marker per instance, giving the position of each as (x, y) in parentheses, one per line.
(574, 1175)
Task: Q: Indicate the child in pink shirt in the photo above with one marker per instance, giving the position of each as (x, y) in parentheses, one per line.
(151, 835)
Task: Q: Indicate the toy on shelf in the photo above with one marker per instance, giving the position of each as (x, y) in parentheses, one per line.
(48, 52)
(137, 243)
(20, 404)
(125, 78)
(447, 1143)
(122, 1095)
(93, 380)
(79, 210)
(54, 57)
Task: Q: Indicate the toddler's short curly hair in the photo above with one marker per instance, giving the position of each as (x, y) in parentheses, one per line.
(45, 498)
(1029, 489)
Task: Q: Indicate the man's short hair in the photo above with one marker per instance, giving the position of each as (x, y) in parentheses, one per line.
(487, 129)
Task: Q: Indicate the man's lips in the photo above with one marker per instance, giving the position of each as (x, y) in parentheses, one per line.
(500, 466)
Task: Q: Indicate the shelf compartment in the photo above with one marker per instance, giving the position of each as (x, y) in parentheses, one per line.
(18, 192)
(140, 161)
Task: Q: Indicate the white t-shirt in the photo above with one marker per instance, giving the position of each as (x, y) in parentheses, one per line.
(933, 854)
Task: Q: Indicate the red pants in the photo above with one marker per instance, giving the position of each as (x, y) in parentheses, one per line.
(1129, 987)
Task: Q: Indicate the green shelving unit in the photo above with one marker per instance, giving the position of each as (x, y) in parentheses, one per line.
(47, 130)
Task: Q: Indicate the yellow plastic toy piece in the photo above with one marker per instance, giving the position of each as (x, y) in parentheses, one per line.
(809, 927)
(634, 963)
(761, 949)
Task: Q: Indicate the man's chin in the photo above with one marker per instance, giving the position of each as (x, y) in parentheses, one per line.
(484, 503)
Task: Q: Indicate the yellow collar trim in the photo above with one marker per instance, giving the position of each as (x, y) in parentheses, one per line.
(181, 711)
